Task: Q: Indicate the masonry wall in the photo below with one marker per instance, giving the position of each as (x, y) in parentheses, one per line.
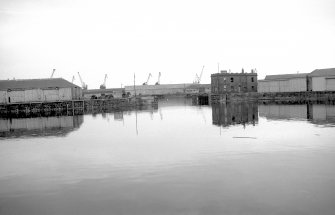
(233, 83)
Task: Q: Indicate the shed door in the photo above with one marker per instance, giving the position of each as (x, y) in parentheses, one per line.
(330, 84)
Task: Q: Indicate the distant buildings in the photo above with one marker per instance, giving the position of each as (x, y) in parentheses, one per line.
(38, 90)
(225, 83)
(167, 89)
(319, 80)
(110, 92)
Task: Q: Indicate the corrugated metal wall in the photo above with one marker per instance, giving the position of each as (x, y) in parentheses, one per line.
(36, 95)
(290, 85)
(330, 84)
(3, 97)
(318, 84)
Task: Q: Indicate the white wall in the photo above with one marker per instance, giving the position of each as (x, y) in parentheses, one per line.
(3, 97)
(318, 84)
(289, 85)
(330, 84)
(16, 96)
(35, 95)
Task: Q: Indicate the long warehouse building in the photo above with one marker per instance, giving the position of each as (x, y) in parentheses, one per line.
(38, 90)
(318, 80)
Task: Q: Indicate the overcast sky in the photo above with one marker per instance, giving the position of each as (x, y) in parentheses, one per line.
(174, 37)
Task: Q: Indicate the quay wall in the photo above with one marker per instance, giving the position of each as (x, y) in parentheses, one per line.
(74, 105)
(298, 96)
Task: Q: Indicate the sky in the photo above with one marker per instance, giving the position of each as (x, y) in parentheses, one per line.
(175, 37)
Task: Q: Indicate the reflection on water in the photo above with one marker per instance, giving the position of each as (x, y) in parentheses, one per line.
(227, 114)
(176, 159)
(322, 114)
(39, 126)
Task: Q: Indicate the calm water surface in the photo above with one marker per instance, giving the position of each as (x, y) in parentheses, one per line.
(178, 158)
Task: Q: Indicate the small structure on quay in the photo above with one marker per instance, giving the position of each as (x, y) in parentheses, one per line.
(230, 86)
(104, 93)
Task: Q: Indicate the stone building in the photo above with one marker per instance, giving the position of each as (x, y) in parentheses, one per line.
(226, 83)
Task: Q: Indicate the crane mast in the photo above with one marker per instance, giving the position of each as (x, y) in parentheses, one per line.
(159, 79)
(146, 83)
(53, 72)
(198, 78)
(103, 86)
(83, 85)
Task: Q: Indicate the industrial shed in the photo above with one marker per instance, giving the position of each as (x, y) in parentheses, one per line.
(283, 83)
(322, 80)
(38, 90)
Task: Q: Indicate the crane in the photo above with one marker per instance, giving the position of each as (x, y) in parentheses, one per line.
(72, 79)
(53, 72)
(198, 78)
(103, 86)
(159, 79)
(83, 85)
(146, 83)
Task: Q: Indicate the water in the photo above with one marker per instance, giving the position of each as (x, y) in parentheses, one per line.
(181, 158)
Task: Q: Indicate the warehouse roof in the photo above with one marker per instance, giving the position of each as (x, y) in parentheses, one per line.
(285, 76)
(323, 72)
(35, 83)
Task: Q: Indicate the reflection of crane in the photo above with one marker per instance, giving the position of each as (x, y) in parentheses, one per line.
(159, 79)
(72, 79)
(103, 86)
(53, 72)
(198, 78)
(146, 83)
(83, 85)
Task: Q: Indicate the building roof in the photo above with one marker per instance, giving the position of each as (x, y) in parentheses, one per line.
(35, 83)
(323, 72)
(285, 76)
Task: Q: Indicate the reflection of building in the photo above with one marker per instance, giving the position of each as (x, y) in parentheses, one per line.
(224, 82)
(118, 116)
(40, 126)
(38, 90)
(315, 113)
(275, 111)
(225, 114)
